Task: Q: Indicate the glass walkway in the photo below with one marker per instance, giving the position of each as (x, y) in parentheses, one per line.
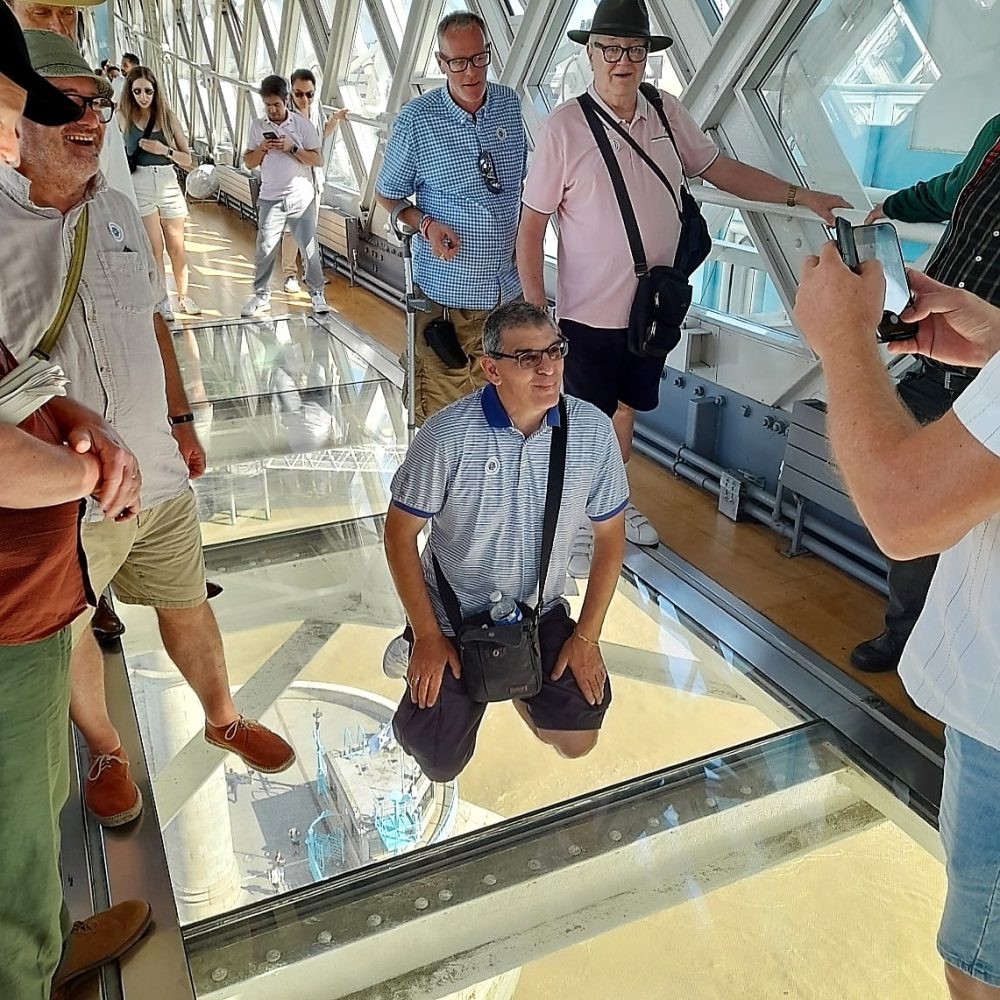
(724, 839)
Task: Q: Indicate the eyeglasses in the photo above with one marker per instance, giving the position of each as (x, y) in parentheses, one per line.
(304, 95)
(101, 106)
(614, 53)
(533, 359)
(461, 64)
(488, 171)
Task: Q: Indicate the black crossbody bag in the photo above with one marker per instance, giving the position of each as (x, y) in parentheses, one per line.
(663, 295)
(133, 157)
(502, 662)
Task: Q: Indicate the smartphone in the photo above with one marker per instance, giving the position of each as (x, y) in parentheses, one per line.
(273, 136)
(880, 242)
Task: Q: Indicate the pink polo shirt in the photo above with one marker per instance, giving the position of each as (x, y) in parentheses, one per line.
(596, 281)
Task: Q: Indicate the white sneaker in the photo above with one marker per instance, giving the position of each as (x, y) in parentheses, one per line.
(189, 306)
(638, 530)
(255, 305)
(582, 552)
(320, 306)
(291, 285)
(396, 659)
(165, 309)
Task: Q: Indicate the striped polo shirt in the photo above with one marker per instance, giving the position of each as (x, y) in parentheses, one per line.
(951, 665)
(481, 483)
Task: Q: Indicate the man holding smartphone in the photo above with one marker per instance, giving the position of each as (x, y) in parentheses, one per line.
(286, 147)
(967, 257)
(922, 490)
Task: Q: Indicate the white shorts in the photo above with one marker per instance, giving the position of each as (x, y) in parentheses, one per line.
(157, 190)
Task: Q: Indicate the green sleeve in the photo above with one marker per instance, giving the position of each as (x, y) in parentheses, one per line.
(934, 200)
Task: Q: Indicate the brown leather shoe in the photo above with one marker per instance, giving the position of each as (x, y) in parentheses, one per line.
(103, 938)
(105, 624)
(109, 791)
(254, 744)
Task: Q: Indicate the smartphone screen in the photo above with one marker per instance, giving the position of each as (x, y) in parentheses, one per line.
(882, 244)
(271, 135)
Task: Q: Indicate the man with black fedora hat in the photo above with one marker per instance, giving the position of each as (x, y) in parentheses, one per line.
(52, 457)
(596, 279)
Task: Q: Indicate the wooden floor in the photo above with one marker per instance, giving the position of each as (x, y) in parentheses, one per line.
(806, 597)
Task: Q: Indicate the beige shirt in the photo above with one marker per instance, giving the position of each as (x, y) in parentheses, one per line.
(108, 347)
(595, 280)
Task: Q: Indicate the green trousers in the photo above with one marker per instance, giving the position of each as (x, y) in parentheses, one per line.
(34, 784)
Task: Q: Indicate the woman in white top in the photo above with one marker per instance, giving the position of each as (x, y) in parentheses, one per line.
(304, 101)
(155, 142)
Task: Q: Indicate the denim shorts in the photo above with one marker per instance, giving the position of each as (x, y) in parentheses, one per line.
(969, 938)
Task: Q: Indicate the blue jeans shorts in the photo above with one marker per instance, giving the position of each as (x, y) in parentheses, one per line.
(969, 938)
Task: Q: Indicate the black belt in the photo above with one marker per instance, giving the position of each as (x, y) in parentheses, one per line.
(954, 379)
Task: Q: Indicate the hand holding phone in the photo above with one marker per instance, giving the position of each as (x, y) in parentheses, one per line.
(880, 242)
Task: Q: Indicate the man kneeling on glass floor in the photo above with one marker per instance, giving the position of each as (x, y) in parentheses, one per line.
(480, 471)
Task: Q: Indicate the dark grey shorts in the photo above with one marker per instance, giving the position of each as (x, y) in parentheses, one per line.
(442, 738)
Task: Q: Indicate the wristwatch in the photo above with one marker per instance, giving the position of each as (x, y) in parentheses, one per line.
(294, 150)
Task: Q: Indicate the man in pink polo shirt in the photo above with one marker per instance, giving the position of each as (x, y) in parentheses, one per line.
(596, 279)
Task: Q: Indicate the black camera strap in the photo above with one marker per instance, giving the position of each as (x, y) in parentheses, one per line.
(553, 500)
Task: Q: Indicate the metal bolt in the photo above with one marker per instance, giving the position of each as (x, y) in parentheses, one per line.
(534, 865)
(615, 835)
(699, 391)
(489, 880)
(711, 802)
(219, 974)
(767, 423)
(273, 956)
(654, 821)
(374, 920)
(680, 382)
(421, 902)
(324, 937)
(719, 400)
(574, 850)
(445, 894)
(746, 410)
(746, 790)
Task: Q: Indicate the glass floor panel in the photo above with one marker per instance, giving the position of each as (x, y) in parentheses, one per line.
(299, 428)
(753, 872)
(777, 870)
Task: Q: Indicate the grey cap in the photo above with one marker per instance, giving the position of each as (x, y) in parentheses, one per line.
(54, 56)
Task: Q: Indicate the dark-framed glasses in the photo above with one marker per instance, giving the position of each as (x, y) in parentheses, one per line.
(103, 107)
(304, 95)
(461, 64)
(143, 91)
(488, 172)
(614, 53)
(532, 359)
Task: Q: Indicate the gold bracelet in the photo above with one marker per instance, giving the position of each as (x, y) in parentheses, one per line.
(793, 190)
(583, 638)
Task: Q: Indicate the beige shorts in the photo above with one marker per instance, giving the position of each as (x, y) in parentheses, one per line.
(157, 190)
(154, 560)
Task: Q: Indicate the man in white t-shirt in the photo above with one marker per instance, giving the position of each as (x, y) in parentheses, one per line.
(923, 490)
(286, 147)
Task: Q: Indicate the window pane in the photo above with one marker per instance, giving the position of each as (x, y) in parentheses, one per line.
(567, 73)
(338, 168)
(450, 7)
(261, 66)
(365, 86)
(305, 52)
(397, 12)
(887, 92)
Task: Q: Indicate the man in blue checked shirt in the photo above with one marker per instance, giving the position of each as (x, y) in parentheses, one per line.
(460, 151)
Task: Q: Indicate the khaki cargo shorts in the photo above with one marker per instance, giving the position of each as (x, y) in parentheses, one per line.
(154, 560)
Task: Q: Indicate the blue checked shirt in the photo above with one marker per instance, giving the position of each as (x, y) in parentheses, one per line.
(433, 152)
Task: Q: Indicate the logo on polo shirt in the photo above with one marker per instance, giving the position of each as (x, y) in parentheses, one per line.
(492, 466)
(117, 233)
(502, 133)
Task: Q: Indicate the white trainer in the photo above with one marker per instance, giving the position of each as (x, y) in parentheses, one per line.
(291, 285)
(638, 530)
(320, 305)
(581, 554)
(255, 305)
(189, 306)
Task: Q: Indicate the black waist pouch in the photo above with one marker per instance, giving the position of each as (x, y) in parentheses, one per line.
(443, 341)
(500, 662)
(661, 302)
